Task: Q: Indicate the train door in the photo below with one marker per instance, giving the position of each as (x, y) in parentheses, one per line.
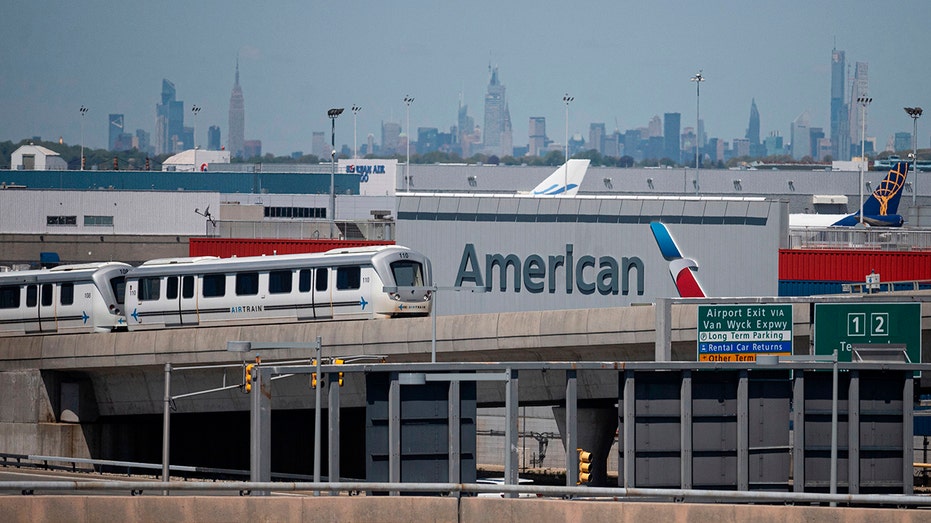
(322, 299)
(32, 320)
(188, 301)
(173, 297)
(48, 321)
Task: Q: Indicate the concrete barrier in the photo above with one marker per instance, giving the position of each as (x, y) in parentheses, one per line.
(80, 509)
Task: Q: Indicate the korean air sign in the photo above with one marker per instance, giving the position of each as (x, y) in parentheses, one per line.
(376, 176)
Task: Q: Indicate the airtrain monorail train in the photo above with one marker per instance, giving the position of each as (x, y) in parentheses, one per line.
(208, 291)
(66, 299)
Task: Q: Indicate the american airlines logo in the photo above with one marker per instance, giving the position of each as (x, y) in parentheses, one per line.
(536, 273)
(681, 269)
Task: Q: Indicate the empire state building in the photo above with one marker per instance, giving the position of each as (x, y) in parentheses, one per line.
(237, 123)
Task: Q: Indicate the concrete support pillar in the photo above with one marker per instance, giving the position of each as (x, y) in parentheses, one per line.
(595, 433)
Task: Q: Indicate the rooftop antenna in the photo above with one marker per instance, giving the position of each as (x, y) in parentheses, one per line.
(206, 214)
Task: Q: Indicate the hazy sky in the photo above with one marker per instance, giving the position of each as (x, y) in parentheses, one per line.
(623, 61)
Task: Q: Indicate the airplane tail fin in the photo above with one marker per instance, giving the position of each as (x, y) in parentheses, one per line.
(885, 199)
(565, 180)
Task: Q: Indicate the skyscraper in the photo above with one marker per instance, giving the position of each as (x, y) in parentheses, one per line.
(390, 137)
(169, 120)
(115, 127)
(237, 123)
(840, 124)
(213, 138)
(801, 136)
(753, 127)
(859, 86)
(537, 143)
(596, 137)
(497, 138)
(672, 123)
(466, 128)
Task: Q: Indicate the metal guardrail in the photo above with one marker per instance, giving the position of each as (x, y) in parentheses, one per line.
(96, 465)
(885, 286)
(877, 238)
(577, 493)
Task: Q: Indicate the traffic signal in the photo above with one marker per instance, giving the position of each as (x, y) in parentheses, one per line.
(313, 375)
(83, 162)
(339, 362)
(585, 466)
(247, 378)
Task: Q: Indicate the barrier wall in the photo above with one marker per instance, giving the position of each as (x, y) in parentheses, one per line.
(81, 509)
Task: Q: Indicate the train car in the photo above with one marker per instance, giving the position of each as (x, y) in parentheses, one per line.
(66, 299)
(335, 285)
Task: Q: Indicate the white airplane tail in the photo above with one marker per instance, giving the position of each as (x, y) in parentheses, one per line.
(564, 181)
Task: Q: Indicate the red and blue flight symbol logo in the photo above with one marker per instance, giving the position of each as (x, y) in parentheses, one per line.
(681, 269)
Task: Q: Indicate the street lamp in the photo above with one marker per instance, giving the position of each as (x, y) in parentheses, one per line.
(194, 111)
(864, 101)
(408, 100)
(83, 111)
(567, 100)
(698, 79)
(355, 148)
(914, 112)
(333, 114)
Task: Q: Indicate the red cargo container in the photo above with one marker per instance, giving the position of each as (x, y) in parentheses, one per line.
(853, 265)
(229, 247)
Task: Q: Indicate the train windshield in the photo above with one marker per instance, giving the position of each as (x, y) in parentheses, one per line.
(118, 285)
(407, 273)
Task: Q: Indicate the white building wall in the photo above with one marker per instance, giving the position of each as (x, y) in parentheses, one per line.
(132, 212)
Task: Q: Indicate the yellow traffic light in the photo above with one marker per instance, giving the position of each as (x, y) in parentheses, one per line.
(585, 466)
(313, 380)
(340, 377)
(247, 378)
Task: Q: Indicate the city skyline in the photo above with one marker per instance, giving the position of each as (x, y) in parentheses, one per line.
(623, 66)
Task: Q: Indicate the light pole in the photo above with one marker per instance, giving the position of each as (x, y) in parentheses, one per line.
(698, 79)
(863, 101)
(567, 100)
(194, 111)
(333, 114)
(83, 111)
(355, 147)
(408, 100)
(914, 112)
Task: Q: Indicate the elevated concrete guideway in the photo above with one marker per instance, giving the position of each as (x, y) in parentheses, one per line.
(122, 373)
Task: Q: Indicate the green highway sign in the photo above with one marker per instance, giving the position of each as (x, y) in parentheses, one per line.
(845, 326)
(741, 332)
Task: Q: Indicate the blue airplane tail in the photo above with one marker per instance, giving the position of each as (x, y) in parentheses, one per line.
(885, 199)
(881, 208)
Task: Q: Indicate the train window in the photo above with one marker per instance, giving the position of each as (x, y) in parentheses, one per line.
(303, 283)
(47, 294)
(279, 282)
(66, 293)
(214, 285)
(187, 287)
(149, 288)
(321, 280)
(247, 283)
(348, 278)
(32, 295)
(407, 273)
(9, 297)
(171, 289)
(118, 285)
